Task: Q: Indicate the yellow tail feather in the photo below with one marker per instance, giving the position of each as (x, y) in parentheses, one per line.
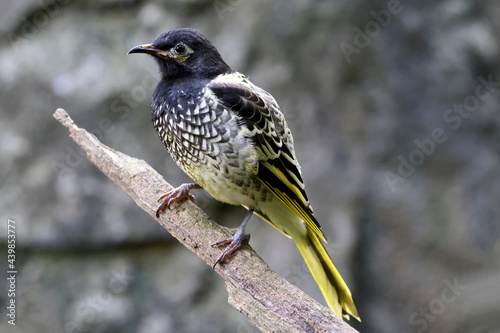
(334, 289)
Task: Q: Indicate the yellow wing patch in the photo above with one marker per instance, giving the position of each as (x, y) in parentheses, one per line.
(298, 207)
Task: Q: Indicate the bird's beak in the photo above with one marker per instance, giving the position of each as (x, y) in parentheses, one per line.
(147, 48)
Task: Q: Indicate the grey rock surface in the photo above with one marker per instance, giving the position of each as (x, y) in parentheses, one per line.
(394, 107)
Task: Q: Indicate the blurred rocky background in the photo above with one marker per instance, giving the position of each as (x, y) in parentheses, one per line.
(394, 106)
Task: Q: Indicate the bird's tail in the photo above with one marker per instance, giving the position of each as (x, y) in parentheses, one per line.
(334, 289)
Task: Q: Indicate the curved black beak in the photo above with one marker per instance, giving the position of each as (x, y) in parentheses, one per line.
(147, 48)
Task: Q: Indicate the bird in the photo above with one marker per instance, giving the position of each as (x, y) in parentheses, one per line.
(232, 139)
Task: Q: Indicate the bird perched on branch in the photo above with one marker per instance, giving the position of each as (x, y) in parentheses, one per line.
(232, 139)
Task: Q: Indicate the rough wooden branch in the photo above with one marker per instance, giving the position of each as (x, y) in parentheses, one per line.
(270, 302)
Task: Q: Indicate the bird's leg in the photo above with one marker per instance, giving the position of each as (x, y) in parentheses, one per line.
(177, 194)
(235, 241)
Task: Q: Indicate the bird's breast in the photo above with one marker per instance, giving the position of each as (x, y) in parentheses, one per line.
(208, 143)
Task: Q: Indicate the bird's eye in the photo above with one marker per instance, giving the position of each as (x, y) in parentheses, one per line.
(180, 48)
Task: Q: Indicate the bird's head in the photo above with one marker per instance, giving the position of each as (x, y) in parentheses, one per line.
(184, 52)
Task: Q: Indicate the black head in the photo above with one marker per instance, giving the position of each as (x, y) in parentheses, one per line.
(184, 52)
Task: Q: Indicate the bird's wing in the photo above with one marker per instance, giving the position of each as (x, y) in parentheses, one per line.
(278, 168)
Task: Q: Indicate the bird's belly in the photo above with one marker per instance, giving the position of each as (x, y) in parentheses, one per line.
(232, 185)
(226, 176)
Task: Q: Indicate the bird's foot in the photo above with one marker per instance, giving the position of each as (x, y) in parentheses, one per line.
(234, 242)
(177, 194)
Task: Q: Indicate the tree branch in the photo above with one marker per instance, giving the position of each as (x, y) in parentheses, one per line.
(270, 302)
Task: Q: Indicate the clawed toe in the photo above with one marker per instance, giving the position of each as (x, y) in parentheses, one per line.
(177, 194)
(234, 242)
